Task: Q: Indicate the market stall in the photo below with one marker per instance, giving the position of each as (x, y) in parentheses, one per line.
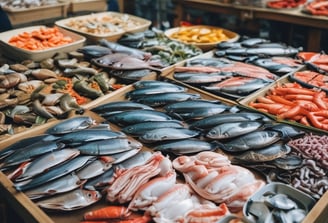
(105, 118)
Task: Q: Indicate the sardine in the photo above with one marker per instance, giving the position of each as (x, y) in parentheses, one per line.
(254, 140)
(88, 135)
(233, 129)
(63, 184)
(210, 122)
(70, 125)
(141, 128)
(108, 146)
(164, 134)
(136, 116)
(185, 146)
(167, 98)
(72, 200)
(55, 173)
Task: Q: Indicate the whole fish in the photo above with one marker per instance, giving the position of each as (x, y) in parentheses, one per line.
(167, 98)
(268, 153)
(95, 168)
(70, 125)
(152, 83)
(136, 160)
(210, 122)
(254, 140)
(233, 129)
(238, 86)
(109, 59)
(201, 78)
(131, 63)
(22, 143)
(137, 93)
(88, 135)
(94, 51)
(31, 151)
(69, 201)
(108, 146)
(163, 134)
(209, 62)
(120, 157)
(136, 116)
(63, 184)
(199, 113)
(119, 106)
(141, 128)
(118, 48)
(101, 181)
(55, 173)
(184, 106)
(185, 146)
(47, 161)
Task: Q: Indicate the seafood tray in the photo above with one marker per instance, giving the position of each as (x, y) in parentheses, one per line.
(77, 6)
(116, 24)
(32, 213)
(21, 54)
(286, 115)
(27, 15)
(209, 85)
(201, 35)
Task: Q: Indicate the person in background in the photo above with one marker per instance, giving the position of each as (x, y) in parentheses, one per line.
(112, 5)
(5, 23)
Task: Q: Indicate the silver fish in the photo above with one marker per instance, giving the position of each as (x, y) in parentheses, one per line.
(210, 122)
(31, 151)
(167, 98)
(137, 116)
(136, 160)
(184, 106)
(95, 168)
(119, 106)
(200, 113)
(47, 161)
(72, 200)
(185, 146)
(55, 173)
(63, 184)
(233, 129)
(88, 135)
(109, 146)
(141, 128)
(254, 140)
(268, 153)
(137, 93)
(120, 157)
(163, 134)
(100, 181)
(70, 125)
(152, 83)
(201, 78)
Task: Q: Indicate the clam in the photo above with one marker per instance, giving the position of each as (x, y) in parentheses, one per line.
(48, 63)
(68, 63)
(19, 67)
(30, 86)
(43, 74)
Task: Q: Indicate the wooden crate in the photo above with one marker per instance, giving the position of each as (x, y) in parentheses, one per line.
(28, 15)
(78, 6)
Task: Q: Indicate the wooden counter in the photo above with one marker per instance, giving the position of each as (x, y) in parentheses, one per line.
(315, 24)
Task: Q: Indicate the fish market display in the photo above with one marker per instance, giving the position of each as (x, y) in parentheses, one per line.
(224, 77)
(291, 101)
(310, 79)
(278, 58)
(162, 48)
(316, 61)
(19, 4)
(278, 4)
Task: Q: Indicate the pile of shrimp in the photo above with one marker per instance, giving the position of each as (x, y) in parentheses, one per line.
(40, 39)
(291, 101)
